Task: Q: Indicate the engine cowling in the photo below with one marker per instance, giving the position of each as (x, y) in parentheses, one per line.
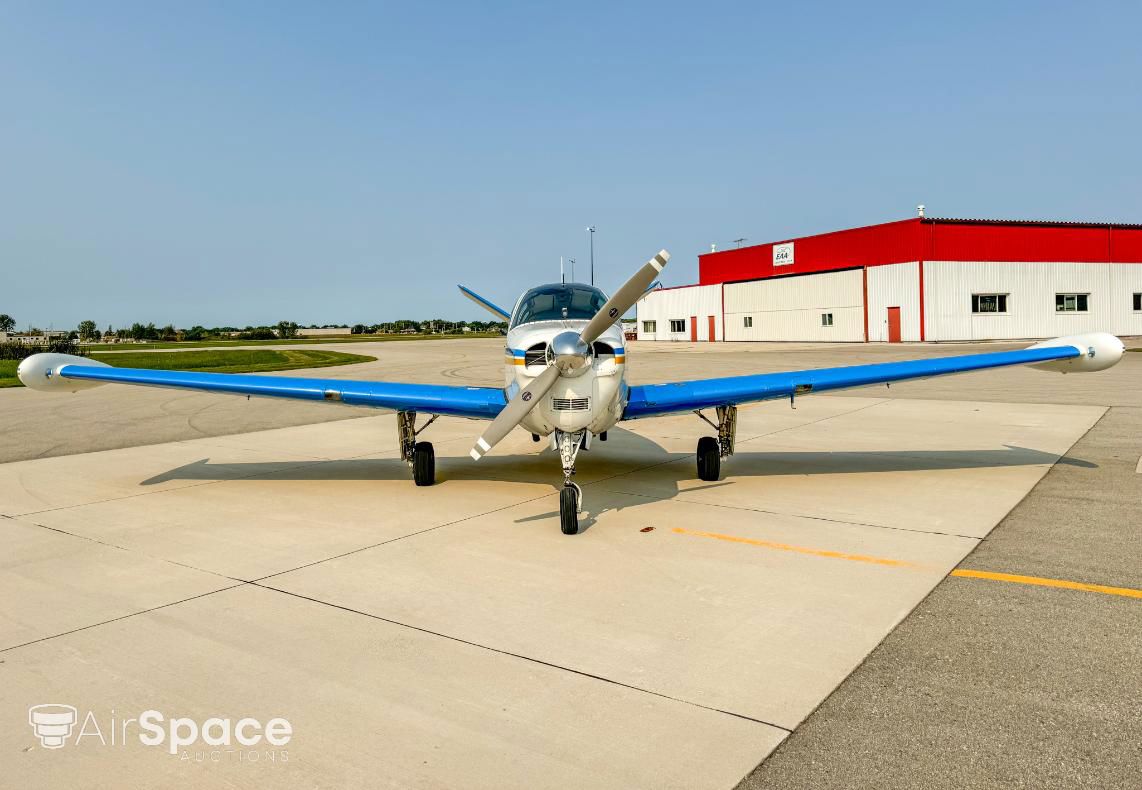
(1100, 350)
(41, 372)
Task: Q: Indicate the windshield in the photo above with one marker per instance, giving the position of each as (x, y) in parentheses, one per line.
(556, 302)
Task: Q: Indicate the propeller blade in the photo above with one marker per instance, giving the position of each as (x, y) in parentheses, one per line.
(524, 401)
(624, 298)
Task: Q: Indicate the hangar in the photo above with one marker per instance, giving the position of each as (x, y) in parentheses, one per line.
(918, 279)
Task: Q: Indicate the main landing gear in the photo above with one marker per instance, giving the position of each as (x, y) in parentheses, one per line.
(571, 497)
(712, 450)
(419, 455)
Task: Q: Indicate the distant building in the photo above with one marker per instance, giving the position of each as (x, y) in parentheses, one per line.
(32, 339)
(919, 279)
(325, 332)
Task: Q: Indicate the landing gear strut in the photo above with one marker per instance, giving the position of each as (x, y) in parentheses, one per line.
(712, 450)
(571, 497)
(418, 455)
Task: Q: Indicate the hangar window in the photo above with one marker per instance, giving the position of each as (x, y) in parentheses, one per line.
(650, 326)
(747, 322)
(989, 303)
(677, 324)
(1138, 302)
(1071, 303)
(826, 319)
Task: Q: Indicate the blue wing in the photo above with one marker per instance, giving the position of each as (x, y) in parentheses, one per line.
(650, 399)
(475, 402)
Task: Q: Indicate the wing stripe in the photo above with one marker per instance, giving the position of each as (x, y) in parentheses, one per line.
(650, 399)
(475, 402)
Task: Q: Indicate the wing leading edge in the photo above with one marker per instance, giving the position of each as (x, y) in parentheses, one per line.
(650, 399)
(474, 402)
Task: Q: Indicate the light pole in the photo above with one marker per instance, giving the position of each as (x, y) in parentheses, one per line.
(591, 230)
(572, 262)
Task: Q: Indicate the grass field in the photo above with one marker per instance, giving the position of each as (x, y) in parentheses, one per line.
(298, 341)
(228, 361)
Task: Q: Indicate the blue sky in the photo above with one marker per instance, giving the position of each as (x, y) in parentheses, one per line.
(237, 163)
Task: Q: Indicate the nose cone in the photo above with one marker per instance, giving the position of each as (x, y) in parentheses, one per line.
(571, 353)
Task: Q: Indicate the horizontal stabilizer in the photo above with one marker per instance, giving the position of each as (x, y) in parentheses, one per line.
(498, 312)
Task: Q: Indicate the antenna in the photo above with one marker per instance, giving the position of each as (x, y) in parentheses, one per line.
(562, 276)
(739, 242)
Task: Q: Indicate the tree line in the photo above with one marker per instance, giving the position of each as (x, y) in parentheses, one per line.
(88, 331)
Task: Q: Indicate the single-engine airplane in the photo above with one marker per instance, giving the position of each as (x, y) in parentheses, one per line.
(565, 379)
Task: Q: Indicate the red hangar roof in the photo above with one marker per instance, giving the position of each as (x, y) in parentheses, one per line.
(928, 239)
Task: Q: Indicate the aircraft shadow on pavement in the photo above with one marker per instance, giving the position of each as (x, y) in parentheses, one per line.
(626, 452)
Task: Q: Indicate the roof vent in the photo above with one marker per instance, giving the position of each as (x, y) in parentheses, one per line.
(920, 209)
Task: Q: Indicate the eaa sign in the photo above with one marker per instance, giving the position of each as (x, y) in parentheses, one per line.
(783, 254)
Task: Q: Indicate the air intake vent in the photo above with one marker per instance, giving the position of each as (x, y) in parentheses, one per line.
(570, 404)
(536, 355)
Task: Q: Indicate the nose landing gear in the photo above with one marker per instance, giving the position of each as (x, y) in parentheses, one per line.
(571, 496)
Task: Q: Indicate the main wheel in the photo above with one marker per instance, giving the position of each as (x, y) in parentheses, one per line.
(709, 458)
(569, 510)
(424, 464)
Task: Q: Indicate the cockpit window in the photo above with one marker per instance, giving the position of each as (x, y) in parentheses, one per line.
(557, 302)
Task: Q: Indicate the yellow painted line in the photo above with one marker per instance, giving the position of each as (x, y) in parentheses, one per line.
(769, 544)
(964, 573)
(1042, 582)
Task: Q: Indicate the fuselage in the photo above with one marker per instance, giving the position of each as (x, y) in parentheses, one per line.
(592, 397)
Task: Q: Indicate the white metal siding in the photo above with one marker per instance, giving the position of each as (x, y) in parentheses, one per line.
(894, 285)
(1125, 281)
(790, 308)
(1031, 289)
(693, 301)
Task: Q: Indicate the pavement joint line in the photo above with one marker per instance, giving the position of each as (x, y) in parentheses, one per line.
(128, 549)
(522, 657)
(400, 537)
(122, 617)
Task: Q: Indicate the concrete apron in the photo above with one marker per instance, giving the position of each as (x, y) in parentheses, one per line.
(451, 636)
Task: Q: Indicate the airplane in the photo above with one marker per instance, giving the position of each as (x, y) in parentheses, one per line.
(565, 365)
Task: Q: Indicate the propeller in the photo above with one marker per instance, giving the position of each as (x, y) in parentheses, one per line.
(572, 353)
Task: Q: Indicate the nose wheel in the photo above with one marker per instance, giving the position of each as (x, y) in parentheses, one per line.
(569, 498)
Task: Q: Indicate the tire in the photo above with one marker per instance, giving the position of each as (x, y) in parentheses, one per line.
(424, 464)
(569, 510)
(709, 459)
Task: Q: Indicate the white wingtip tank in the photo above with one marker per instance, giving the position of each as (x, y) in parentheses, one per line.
(41, 372)
(1099, 351)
